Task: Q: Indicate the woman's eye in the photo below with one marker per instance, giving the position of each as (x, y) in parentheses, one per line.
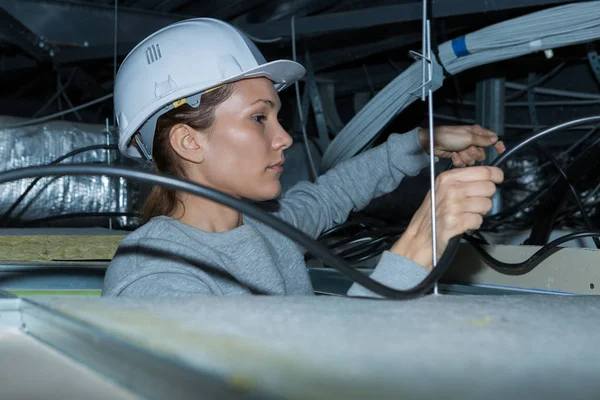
(259, 118)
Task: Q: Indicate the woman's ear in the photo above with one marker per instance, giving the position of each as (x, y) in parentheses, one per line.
(188, 143)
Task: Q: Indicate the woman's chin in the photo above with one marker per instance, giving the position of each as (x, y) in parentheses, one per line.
(267, 192)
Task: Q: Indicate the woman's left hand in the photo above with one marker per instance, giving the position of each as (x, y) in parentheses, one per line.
(464, 144)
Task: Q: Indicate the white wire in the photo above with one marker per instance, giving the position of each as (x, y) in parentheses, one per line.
(548, 103)
(115, 54)
(511, 126)
(297, 86)
(58, 114)
(556, 92)
(257, 40)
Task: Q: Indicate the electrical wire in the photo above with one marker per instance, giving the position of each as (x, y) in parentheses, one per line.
(265, 41)
(564, 153)
(502, 158)
(550, 248)
(576, 196)
(555, 92)
(533, 84)
(5, 219)
(259, 40)
(318, 249)
(548, 103)
(566, 125)
(58, 114)
(311, 162)
(529, 264)
(56, 95)
(511, 126)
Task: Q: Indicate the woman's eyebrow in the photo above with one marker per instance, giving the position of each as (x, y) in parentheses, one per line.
(270, 103)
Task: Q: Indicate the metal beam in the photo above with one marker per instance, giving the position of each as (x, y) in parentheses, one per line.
(16, 63)
(80, 24)
(369, 17)
(328, 59)
(18, 34)
(490, 98)
(97, 52)
(225, 10)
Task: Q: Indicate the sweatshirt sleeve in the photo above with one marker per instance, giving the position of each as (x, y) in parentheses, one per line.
(352, 184)
(395, 271)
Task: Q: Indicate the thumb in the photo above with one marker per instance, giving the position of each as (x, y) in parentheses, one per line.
(483, 140)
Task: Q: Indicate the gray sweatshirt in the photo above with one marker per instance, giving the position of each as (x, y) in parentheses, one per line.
(166, 257)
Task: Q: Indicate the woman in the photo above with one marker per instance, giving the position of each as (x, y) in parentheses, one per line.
(199, 100)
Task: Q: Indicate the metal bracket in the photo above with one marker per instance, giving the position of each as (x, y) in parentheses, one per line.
(594, 59)
(430, 81)
(317, 105)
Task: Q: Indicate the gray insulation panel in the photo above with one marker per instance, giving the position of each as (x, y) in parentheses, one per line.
(41, 144)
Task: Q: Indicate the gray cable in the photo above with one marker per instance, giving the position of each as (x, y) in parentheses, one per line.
(551, 28)
(547, 103)
(511, 126)
(556, 92)
(299, 103)
(56, 115)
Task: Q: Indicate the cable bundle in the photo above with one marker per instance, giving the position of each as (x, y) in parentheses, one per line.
(377, 113)
(552, 28)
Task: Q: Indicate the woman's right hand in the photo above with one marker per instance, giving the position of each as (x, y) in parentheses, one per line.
(463, 197)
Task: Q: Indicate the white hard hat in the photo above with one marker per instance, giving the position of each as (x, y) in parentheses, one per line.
(175, 65)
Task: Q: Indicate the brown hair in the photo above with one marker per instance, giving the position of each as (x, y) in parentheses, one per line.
(161, 200)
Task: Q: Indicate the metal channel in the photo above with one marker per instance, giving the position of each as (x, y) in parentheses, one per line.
(130, 365)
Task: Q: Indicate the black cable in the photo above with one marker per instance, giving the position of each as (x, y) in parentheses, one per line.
(5, 218)
(576, 196)
(392, 230)
(311, 245)
(353, 251)
(61, 217)
(548, 249)
(509, 153)
(526, 266)
(354, 221)
(503, 157)
(532, 85)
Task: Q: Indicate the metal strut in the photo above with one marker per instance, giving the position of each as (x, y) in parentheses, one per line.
(427, 95)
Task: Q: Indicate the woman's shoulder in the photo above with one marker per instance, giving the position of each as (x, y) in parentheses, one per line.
(157, 227)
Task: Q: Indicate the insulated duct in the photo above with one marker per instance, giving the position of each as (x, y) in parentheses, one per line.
(41, 144)
(555, 27)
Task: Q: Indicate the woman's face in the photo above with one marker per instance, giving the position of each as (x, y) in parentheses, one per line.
(243, 155)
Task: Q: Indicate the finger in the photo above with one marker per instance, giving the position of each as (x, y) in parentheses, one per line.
(480, 173)
(453, 226)
(476, 153)
(471, 222)
(457, 161)
(478, 189)
(476, 205)
(481, 131)
(482, 137)
(500, 147)
(464, 155)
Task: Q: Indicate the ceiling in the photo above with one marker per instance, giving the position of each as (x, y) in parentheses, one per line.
(47, 46)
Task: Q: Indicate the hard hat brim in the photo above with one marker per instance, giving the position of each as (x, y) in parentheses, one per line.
(283, 73)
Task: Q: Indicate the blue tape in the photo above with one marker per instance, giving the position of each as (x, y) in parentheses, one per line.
(459, 45)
